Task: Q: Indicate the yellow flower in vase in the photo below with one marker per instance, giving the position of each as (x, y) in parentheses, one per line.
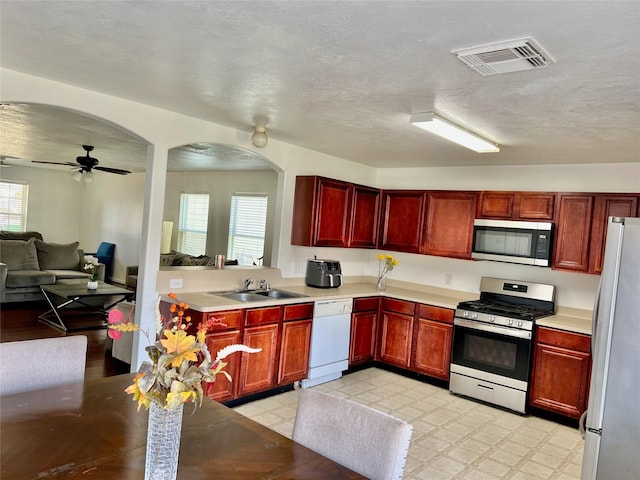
(386, 263)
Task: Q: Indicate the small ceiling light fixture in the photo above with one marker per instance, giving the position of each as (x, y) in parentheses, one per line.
(80, 175)
(439, 126)
(259, 137)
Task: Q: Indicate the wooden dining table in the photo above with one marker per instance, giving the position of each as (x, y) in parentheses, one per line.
(92, 430)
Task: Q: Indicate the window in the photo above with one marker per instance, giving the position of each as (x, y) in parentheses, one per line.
(192, 225)
(13, 206)
(247, 224)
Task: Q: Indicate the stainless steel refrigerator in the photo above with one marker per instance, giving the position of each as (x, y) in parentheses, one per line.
(612, 426)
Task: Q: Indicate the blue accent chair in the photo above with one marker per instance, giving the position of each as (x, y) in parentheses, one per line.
(105, 255)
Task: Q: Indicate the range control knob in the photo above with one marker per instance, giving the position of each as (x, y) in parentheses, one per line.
(492, 318)
(474, 315)
(520, 323)
(510, 321)
(465, 314)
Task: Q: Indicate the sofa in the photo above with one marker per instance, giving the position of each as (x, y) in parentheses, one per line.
(173, 259)
(27, 262)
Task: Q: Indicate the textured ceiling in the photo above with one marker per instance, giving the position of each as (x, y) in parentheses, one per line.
(340, 77)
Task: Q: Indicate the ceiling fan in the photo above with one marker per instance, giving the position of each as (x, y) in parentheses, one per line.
(86, 164)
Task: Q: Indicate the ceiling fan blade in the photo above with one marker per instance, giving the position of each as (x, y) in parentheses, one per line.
(112, 170)
(56, 163)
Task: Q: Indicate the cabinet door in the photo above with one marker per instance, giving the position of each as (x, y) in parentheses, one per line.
(258, 370)
(433, 348)
(536, 206)
(449, 224)
(294, 351)
(560, 380)
(363, 339)
(332, 217)
(395, 338)
(496, 205)
(321, 212)
(365, 214)
(222, 389)
(403, 219)
(607, 206)
(571, 250)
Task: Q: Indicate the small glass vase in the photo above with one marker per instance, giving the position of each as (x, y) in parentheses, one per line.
(382, 283)
(92, 284)
(163, 442)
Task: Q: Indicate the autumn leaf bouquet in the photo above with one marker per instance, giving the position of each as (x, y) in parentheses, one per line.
(180, 362)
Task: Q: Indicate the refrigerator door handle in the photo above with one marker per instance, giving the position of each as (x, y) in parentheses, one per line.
(582, 424)
(594, 315)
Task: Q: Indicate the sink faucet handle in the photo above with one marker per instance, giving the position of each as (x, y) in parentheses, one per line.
(246, 283)
(263, 284)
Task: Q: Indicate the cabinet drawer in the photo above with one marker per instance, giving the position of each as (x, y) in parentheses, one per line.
(560, 338)
(295, 312)
(262, 316)
(399, 306)
(365, 304)
(436, 313)
(228, 320)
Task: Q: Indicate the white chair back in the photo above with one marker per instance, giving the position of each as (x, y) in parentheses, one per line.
(34, 364)
(358, 437)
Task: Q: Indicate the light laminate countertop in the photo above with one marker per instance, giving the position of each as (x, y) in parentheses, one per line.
(568, 319)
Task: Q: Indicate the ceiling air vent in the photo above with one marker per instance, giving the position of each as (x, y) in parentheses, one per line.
(504, 57)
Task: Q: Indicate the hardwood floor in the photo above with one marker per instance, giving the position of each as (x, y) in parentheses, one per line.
(19, 321)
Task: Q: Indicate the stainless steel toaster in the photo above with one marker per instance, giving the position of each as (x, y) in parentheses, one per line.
(323, 273)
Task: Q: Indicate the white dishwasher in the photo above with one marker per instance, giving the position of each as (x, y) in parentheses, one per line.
(330, 334)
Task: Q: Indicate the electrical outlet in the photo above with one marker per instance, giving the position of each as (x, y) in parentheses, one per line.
(448, 278)
(175, 283)
(298, 267)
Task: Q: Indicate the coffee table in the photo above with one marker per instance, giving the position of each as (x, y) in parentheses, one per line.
(78, 293)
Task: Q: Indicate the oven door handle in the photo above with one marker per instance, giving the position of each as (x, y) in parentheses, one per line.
(483, 327)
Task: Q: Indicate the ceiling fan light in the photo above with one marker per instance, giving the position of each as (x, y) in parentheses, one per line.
(77, 176)
(439, 126)
(89, 178)
(259, 137)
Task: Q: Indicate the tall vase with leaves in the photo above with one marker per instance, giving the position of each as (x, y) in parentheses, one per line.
(386, 263)
(180, 364)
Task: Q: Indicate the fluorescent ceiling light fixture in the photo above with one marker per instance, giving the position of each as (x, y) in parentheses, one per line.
(439, 126)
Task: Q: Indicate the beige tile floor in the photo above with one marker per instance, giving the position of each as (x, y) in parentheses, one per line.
(453, 437)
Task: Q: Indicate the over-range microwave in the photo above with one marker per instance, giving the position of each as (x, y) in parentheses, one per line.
(529, 243)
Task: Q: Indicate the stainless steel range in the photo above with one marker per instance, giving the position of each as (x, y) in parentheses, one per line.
(492, 341)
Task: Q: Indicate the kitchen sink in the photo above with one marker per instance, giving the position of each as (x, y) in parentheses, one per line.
(257, 295)
(279, 294)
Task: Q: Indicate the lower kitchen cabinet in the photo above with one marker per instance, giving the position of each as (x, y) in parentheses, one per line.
(258, 370)
(561, 372)
(363, 330)
(396, 332)
(434, 333)
(223, 389)
(295, 345)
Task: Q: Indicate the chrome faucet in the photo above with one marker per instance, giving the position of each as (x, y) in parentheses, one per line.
(264, 285)
(246, 283)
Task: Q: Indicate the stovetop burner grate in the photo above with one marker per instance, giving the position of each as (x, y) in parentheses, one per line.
(505, 309)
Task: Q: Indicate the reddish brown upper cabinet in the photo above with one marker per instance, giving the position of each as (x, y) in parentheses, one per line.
(333, 213)
(561, 372)
(396, 332)
(433, 333)
(363, 330)
(448, 228)
(295, 346)
(402, 220)
(607, 206)
(571, 250)
(365, 217)
(516, 205)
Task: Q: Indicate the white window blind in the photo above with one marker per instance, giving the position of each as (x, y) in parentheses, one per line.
(247, 225)
(13, 206)
(192, 225)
